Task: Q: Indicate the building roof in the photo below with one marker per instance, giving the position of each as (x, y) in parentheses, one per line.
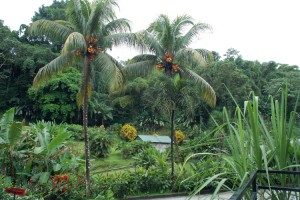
(155, 139)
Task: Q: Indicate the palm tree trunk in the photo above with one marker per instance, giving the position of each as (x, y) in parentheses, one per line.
(172, 148)
(85, 127)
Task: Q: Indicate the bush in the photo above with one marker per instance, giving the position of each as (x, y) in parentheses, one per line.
(125, 183)
(76, 131)
(101, 142)
(128, 132)
(129, 149)
(146, 158)
(115, 128)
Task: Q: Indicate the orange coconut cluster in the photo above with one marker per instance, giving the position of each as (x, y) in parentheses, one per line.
(168, 58)
(92, 48)
(175, 68)
(160, 66)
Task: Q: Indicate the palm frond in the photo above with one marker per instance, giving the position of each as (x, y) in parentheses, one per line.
(80, 14)
(102, 10)
(206, 54)
(127, 39)
(51, 29)
(57, 65)
(193, 32)
(75, 41)
(206, 90)
(188, 56)
(143, 57)
(161, 30)
(157, 27)
(140, 66)
(152, 43)
(117, 26)
(109, 66)
(180, 23)
(66, 24)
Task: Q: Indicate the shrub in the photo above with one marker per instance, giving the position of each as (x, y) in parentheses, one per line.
(146, 158)
(101, 143)
(130, 149)
(179, 136)
(128, 132)
(76, 131)
(115, 128)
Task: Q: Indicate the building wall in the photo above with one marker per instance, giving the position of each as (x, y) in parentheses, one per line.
(160, 147)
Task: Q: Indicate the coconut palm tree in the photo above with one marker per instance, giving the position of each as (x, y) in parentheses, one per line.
(91, 28)
(167, 43)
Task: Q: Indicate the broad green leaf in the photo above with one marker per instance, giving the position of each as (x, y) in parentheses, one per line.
(39, 150)
(28, 166)
(220, 184)
(56, 167)
(14, 133)
(5, 122)
(7, 118)
(44, 177)
(7, 180)
(2, 141)
(208, 181)
(58, 140)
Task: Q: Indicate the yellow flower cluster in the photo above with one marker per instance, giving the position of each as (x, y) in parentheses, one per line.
(155, 134)
(179, 136)
(128, 132)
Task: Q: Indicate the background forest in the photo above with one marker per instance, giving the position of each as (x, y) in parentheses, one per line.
(53, 108)
(21, 56)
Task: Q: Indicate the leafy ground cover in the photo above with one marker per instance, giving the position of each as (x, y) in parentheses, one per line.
(113, 162)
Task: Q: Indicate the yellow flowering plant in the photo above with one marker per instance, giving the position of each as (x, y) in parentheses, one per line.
(179, 136)
(128, 132)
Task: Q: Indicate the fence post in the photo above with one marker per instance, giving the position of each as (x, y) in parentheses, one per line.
(254, 188)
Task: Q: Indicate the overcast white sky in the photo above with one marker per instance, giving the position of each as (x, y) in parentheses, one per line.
(263, 30)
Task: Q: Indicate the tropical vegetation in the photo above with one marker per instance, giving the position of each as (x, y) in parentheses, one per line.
(70, 112)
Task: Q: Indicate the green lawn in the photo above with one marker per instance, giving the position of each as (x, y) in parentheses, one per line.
(113, 161)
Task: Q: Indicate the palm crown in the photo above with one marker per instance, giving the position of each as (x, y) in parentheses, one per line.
(168, 47)
(91, 29)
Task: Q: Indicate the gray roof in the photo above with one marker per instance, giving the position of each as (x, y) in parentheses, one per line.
(155, 139)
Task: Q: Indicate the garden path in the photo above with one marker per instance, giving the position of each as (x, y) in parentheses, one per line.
(221, 196)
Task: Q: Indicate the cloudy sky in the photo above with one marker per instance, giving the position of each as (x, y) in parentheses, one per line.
(263, 30)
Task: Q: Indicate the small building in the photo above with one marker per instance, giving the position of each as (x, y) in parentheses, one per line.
(159, 142)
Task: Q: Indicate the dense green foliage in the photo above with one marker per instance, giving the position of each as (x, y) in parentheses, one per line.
(130, 149)
(56, 100)
(101, 143)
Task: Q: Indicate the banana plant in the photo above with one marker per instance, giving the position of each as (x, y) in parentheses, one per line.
(49, 146)
(10, 138)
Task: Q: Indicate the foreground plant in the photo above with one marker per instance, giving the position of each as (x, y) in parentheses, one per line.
(256, 143)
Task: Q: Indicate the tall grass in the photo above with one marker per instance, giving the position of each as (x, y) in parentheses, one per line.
(256, 142)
